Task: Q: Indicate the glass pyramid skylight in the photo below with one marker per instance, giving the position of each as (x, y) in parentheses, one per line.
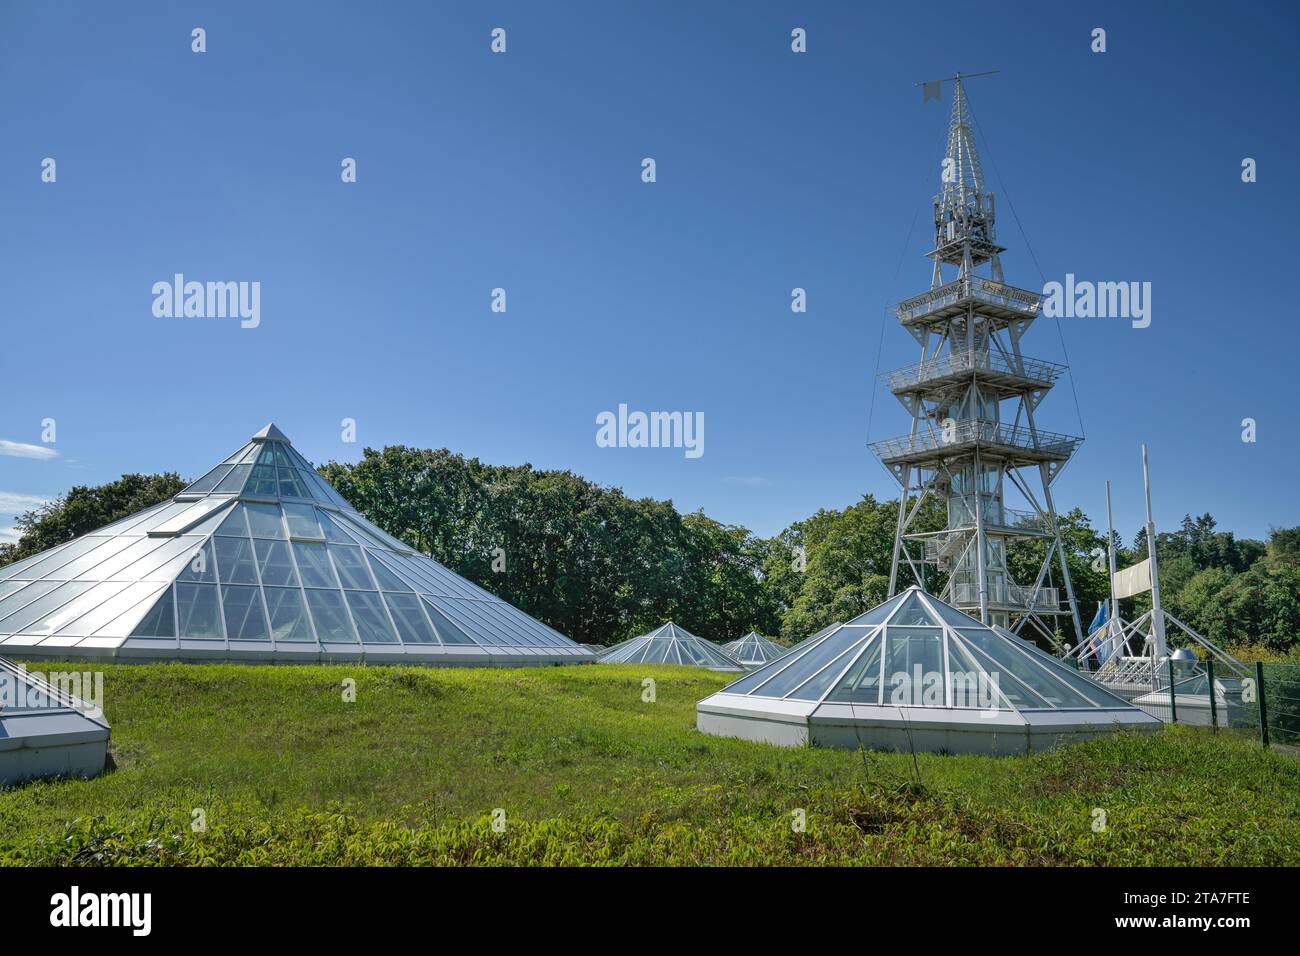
(754, 649)
(915, 672)
(260, 559)
(45, 731)
(671, 644)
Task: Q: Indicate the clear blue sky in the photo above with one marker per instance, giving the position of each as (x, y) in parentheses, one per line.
(522, 171)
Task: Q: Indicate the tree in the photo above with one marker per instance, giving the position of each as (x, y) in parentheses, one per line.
(846, 557)
(585, 559)
(86, 508)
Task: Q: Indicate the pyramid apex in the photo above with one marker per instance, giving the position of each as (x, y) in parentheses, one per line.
(272, 433)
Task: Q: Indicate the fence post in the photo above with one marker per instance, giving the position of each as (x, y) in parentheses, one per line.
(1214, 707)
(1173, 707)
(1263, 707)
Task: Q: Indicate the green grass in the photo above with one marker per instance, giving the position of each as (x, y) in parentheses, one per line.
(288, 773)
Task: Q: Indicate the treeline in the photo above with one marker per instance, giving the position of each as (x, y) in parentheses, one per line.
(587, 560)
(600, 567)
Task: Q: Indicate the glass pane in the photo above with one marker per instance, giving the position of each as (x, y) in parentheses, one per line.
(289, 621)
(235, 525)
(1027, 671)
(106, 603)
(245, 620)
(161, 619)
(970, 684)
(235, 561)
(914, 666)
(308, 486)
(913, 612)
(168, 511)
(157, 564)
(281, 459)
(411, 624)
(78, 566)
(826, 654)
(201, 566)
(361, 531)
(191, 516)
(370, 617)
(233, 483)
(330, 616)
(1006, 683)
(262, 481)
(314, 565)
(264, 521)
(878, 614)
(447, 631)
(18, 570)
(953, 616)
(332, 531)
(209, 481)
(37, 609)
(1090, 689)
(197, 610)
(61, 620)
(466, 616)
(289, 484)
(351, 567)
(274, 563)
(127, 525)
(25, 595)
(302, 521)
(63, 556)
(387, 579)
(860, 685)
(238, 456)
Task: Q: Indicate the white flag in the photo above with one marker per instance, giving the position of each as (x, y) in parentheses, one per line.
(1133, 580)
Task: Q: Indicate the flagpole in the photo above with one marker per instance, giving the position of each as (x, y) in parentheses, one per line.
(1157, 613)
(1110, 550)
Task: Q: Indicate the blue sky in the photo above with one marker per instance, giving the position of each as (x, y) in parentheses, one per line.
(522, 171)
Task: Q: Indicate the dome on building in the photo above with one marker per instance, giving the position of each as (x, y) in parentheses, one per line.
(671, 644)
(754, 650)
(916, 673)
(260, 559)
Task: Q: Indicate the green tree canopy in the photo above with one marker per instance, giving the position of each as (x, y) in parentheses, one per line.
(85, 508)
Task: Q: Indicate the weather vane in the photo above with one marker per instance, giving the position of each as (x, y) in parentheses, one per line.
(930, 88)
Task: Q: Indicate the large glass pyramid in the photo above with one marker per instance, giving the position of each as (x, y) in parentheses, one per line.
(671, 644)
(754, 650)
(916, 673)
(260, 559)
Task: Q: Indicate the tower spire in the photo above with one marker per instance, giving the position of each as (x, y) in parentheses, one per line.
(964, 214)
(973, 399)
(962, 179)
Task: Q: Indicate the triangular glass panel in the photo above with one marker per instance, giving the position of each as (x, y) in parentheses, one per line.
(161, 619)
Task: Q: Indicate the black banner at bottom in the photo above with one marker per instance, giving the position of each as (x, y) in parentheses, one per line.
(303, 905)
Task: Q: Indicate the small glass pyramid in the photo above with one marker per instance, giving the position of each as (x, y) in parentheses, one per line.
(754, 650)
(915, 672)
(260, 559)
(671, 644)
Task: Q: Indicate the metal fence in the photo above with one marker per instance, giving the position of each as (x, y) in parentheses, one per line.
(1261, 701)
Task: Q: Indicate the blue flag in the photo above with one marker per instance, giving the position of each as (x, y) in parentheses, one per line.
(1096, 646)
